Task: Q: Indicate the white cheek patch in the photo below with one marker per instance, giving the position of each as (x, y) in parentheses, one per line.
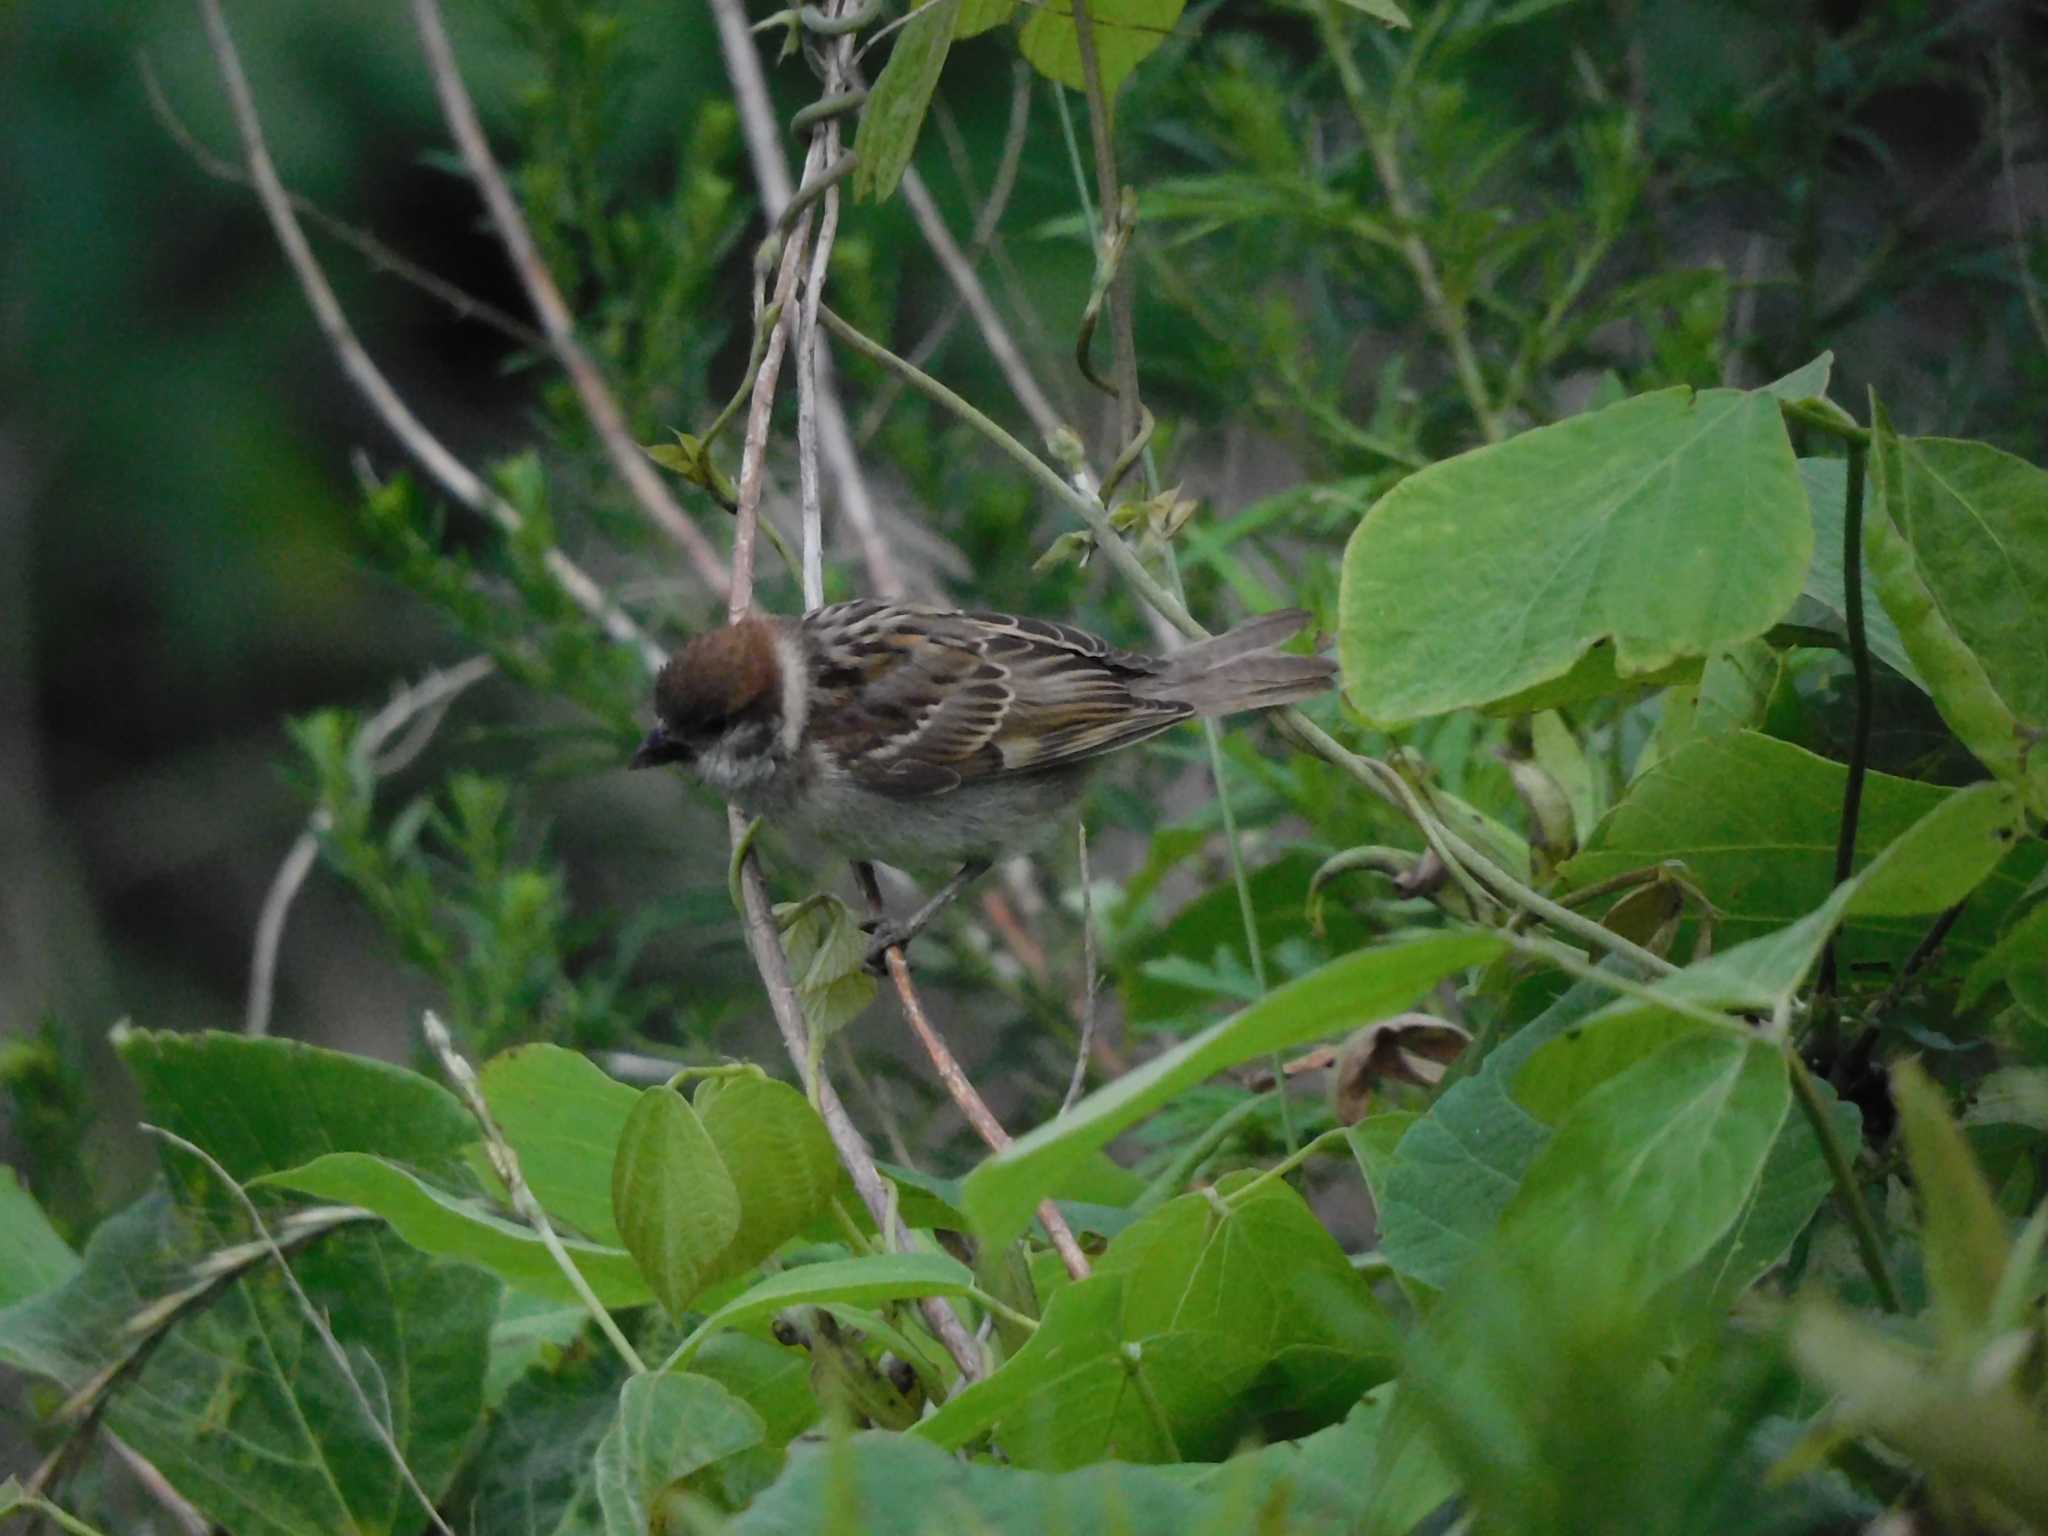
(796, 691)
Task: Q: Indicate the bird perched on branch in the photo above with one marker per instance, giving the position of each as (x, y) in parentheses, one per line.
(925, 737)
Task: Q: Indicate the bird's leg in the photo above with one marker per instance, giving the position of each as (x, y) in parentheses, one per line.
(890, 935)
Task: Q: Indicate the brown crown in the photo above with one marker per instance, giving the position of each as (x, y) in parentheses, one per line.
(717, 675)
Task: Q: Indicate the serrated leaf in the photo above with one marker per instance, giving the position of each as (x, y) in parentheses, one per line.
(1493, 572)
(672, 1197)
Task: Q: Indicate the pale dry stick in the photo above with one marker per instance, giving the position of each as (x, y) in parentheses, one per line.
(335, 1352)
(426, 702)
(758, 126)
(757, 914)
(505, 1162)
(599, 404)
(158, 1487)
(381, 257)
(453, 476)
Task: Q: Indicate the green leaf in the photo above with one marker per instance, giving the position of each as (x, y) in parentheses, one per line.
(827, 960)
(1456, 1169)
(535, 1471)
(1126, 31)
(1664, 1156)
(240, 1406)
(866, 1281)
(1958, 540)
(529, 1331)
(263, 1105)
(770, 1378)
(779, 1157)
(452, 1226)
(1000, 1194)
(563, 1116)
(672, 1197)
(1963, 1236)
(1755, 822)
(889, 122)
(979, 16)
(1827, 492)
(1731, 694)
(34, 1257)
(1808, 382)
(1492, 572)
(1794, 1182)
(668, 1428)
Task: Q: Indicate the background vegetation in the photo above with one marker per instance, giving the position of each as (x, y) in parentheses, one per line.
(1358, 252)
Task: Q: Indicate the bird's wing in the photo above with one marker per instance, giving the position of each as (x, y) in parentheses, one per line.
(916, 701)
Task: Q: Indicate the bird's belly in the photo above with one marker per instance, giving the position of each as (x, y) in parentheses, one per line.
(978, 821)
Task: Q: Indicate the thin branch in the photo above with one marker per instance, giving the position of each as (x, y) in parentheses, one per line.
(146, 1472)
(958, 1085)
(426, 702)
(381, 257)
(634, 467)
(1861, 1224)
(453, 476)
(1859, 659)
(335, 1352)
(1448, 317)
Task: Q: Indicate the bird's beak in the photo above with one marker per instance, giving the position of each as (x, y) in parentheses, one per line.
(658, 748)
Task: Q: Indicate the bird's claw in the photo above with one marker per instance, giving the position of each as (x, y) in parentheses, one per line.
(883, 936)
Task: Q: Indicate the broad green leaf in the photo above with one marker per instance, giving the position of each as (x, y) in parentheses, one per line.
(1498, 570)
(454, 1227)
(240, 1406)
(262, 1105)
(1808, 382)
(1794, 1182)
(880, 1482)
(2020, 960)
(1958, 540)
(1592, 676)
(866, 1281)
(1000, 1194)
(979, 16)
(1664, 1155)
(1456, 1169)
(529, 1331)
(1755, 822)
(1963, 1236)
(1827, 488)
(779, 1156)
(672, 1197)
(1126, 31)
(669, 1426)
(1068, 1391)
(563, 1116)
(895, 108)
(1731, 694)
(535, 1471)
(33, 1257)
(772, 1379)
(827, 959)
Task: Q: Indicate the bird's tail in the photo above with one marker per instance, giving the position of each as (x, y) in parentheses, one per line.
(1242, 668)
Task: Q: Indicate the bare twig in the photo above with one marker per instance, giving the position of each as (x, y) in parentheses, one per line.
(377, 1420)
(146, 1472)
(466, 305)
(958, 1084)
(599, 404)
(505, 1162)
(771, 176)
(453, 476)
(426, 702)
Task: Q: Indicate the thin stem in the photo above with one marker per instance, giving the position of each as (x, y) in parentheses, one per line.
(1859, 660)
(1448, 317)
(599, 404)
(1868, 1243)
(1079, 1080)
(1109, 199)
(1294, 1159)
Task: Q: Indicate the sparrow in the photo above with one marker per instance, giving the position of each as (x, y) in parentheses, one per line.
(930, 738)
